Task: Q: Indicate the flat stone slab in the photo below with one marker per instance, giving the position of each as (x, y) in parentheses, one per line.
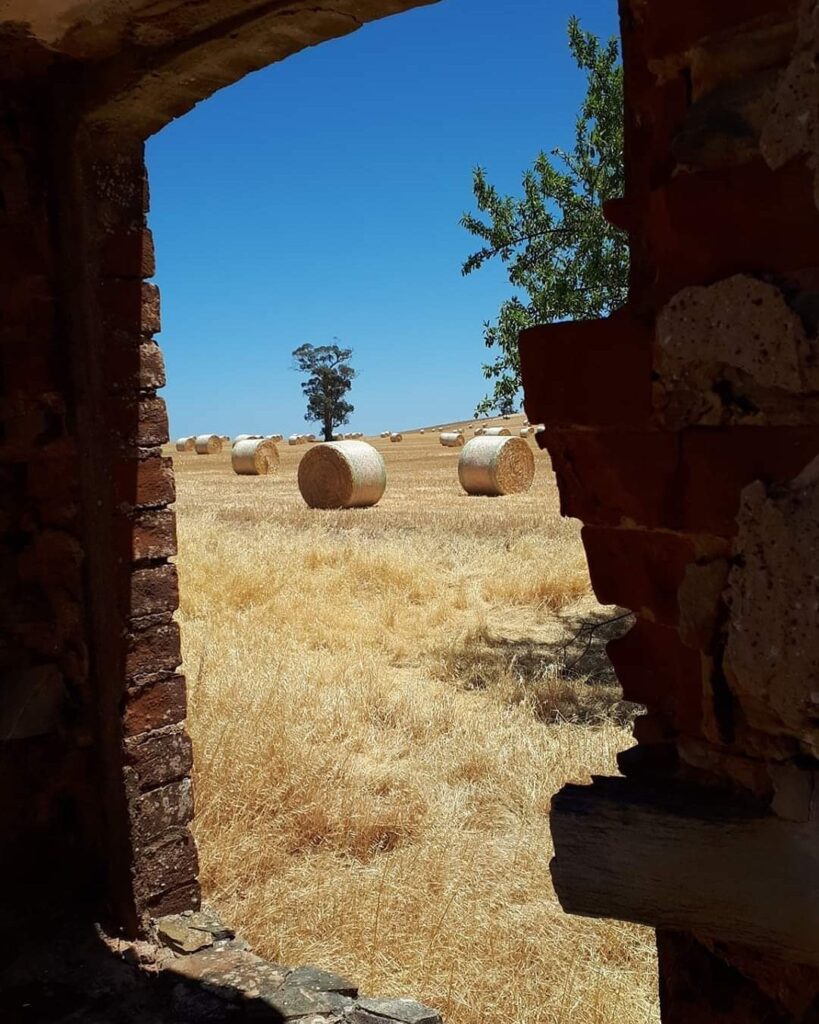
(406, 1011)
(292, 1002)
(316, 980)
(233, 974)
(192, 930)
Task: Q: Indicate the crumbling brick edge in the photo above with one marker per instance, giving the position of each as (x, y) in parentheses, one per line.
(212, 974)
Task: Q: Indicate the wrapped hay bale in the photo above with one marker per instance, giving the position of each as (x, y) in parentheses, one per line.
(342, 474)
(186, 444)
(255, 457)
(495, 465)
(208, 444)
(496, 432)
(396, 437)
(452, 439)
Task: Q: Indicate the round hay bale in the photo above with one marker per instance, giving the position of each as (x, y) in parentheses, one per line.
(246, 437)
(186, 444)
(539, 428)
(452, 439)
(338, 437)
(496, 432)
(310, 437)
(496, 465)
(396, 437)
(342, 474)
(526, 431)
(422, 431)
(255, 457)
(208, 444)
(384, 433)
(506, 416)
(294, 439)
(275, 438)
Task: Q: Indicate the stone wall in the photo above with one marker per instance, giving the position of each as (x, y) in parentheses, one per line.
(683, 430)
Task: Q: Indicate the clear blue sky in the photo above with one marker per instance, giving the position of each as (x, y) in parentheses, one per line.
(320, 198)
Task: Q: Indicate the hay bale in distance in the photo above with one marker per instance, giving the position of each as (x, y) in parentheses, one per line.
(422, 431)
(452, 439)
(495, 465)
(396, 437)
(294, 439)
(247, 437)
(342, 474)
(526, 431)
(496, 432)
(384, 433)
(186, 444)
(208, 444)
(275, 438)
(255, 457)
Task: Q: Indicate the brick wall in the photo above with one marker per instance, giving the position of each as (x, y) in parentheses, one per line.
(680, 430)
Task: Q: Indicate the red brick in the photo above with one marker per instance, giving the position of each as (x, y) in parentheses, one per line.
(719, 463)
(609, 478)
(638, 569)
(703, 227)
(150, 534)
(152, 648)
(673, 28)
(159, 703)
(139, 422)
(128, 254)
(165, 866)
(145, 482)
(130, 305)
(186, 897)
(158, 757)
(161, 810)
(154, 589)
(591, 372)
(132, 364)
(655, 668)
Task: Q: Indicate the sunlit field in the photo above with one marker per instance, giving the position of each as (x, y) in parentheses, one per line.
(382, 703)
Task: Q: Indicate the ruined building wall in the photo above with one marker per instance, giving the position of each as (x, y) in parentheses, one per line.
(683, 431)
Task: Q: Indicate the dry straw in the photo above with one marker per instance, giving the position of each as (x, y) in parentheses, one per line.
(396, 437)
(496, 431)
(186, 444)
(208, 444)
(342, 474)
(255, 457)
(496, 465)
(452, 439)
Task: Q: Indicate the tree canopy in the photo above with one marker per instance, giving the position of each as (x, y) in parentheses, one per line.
(560, 251)
(329, 378)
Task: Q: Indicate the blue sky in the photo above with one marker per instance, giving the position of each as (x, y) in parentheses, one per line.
(320, 198)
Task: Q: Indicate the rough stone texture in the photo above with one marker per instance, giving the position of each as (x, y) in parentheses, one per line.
(733, 352)
(675, 428)
(772, 648)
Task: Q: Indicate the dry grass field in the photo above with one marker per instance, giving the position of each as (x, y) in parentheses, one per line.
(381, 710)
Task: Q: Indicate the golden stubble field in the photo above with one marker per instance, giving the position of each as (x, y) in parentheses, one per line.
(379, 725)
